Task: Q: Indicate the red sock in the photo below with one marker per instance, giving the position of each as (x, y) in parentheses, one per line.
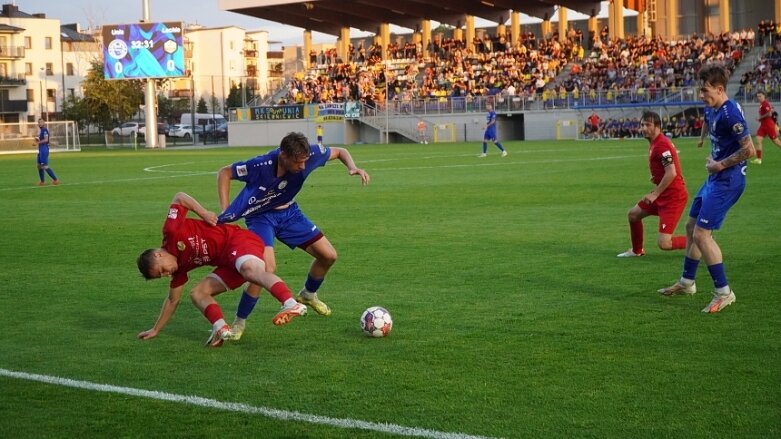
(281, 292)
(679, 242)
(636, 232)
(213, 313)
(759, 154)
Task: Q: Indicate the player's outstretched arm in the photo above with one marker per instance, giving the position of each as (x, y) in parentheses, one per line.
(224, 177)
(192, 204)
(169, 308)
(344, 156)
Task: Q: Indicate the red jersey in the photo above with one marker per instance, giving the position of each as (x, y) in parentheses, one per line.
(661, 154)
(194, 242)
(594, 121)
(765, 109)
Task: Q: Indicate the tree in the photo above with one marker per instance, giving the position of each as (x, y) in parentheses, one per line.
(110, 102)
(201, 108)
(75, 108)
(235, 99)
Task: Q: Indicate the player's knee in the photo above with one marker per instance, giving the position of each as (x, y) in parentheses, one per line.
(665, 242)
(700, 235)
(328, 258)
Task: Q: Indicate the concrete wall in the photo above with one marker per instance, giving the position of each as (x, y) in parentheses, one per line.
(469, 127)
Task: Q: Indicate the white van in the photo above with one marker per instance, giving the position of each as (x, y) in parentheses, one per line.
(202, 119)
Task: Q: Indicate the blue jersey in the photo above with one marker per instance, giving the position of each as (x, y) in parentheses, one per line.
(490, 118)
(263, 190)
(726, 128)
(43, 134)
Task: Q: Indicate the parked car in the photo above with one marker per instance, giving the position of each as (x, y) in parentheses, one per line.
(128, 129)
(220, 132)
(181, 130)
(162, 128)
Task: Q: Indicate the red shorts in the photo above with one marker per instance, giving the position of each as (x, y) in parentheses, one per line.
(242, 242)
(767, 129)
(668, 209)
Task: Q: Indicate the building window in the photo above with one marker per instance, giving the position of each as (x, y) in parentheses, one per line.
(72, 92)
(49, 69)
(28, 69)
(28, 42)
(69, 69)
(3, 69)
(30, 95)
(50, 94)
(47, 43)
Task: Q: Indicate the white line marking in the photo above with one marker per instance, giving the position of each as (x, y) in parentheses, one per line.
(283, 415)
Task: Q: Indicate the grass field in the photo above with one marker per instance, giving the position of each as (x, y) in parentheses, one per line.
(512, 316)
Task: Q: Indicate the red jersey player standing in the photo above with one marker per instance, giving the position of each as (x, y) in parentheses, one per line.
(667, 200)
(237, 253)
(767, 126)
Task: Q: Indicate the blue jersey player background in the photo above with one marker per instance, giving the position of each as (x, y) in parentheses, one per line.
(490, 132)
(731, 146)
(43, 155)
(267, 204)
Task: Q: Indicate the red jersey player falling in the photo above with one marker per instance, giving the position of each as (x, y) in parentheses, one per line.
(767, 126)
(667, 200)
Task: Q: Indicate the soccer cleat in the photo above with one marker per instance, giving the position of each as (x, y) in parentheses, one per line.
(312, 301)
(41, 183)
(237, 329)
(757, 161)
(483, 155)
(678, 289)
(630, 254)
(56, 182)
(504, 153)
(289, 313)
(218, 336)
(719, 302)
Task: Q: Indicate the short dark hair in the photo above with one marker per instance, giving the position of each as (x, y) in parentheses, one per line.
(653, 117)
(714, 74)
(144, 262)
(295, 145)
(761, 93)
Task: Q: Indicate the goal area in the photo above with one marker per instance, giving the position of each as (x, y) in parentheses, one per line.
(20, 137)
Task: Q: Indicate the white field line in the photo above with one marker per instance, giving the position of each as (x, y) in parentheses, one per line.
(167, 173)
(283, 415)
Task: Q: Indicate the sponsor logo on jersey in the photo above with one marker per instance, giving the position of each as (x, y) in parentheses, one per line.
(241, 170)
(181, 246)
(738, 128)
(282, 184)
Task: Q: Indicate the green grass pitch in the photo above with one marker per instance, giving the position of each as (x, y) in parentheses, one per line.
(512, 316)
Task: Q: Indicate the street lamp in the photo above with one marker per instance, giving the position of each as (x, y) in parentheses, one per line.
(43, 74)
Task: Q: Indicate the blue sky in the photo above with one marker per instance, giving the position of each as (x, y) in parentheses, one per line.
(91, 13)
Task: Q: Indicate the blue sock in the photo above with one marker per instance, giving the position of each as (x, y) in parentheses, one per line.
(312, 284)
(690, 268)
(718, 275)
(40, 174)
(51, 173)
(246, 305)
(499, 145)
(485, 147)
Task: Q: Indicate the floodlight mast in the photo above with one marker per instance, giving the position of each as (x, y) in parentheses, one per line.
(151, 108)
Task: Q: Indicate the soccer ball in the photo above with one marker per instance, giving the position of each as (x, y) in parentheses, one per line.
(376, 322)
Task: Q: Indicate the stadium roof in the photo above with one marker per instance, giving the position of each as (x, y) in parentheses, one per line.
(329, 16)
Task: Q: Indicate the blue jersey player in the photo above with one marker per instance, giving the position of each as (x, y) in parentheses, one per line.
(731, 146)
(490, 132)
(267, 205)
(43, 155)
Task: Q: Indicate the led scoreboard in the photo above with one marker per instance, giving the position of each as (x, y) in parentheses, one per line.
(143, 50)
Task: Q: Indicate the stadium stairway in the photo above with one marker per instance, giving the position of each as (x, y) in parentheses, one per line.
(747, 64)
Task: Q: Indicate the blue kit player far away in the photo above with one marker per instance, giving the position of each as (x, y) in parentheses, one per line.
(490, 132)
(43, 155)
(731, 146)
(268, 207)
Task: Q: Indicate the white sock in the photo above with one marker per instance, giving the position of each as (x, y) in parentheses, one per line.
(218, 324)
(289, 303)
(686, 282)
(723, 291)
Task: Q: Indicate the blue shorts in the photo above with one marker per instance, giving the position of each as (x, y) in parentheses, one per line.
(43, 155)
(290, 226)
(490, 134)
(712, 202)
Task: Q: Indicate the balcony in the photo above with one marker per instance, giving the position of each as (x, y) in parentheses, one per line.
(13, 106)
(250, 53)
(13, 52)
(10, 81)
(252, 70)
(185, 93)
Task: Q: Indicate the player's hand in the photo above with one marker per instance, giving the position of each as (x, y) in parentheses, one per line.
(364, 175)
(699, 143)
(147, 335)
(713, 166)
(650, 197)
(210, 218)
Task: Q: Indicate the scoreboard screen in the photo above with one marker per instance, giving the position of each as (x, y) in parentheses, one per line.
(143, 50)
